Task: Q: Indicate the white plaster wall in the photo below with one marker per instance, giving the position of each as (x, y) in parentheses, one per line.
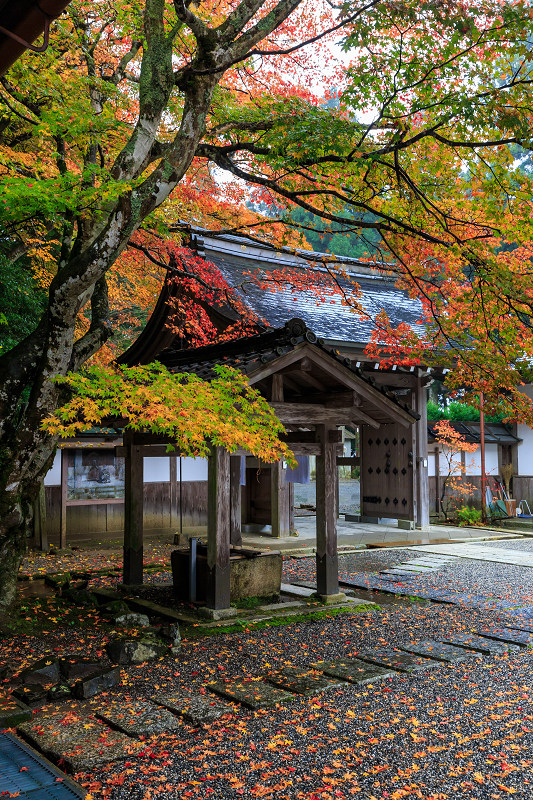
(473, 461)
(446, 465)
(194, 469)
(431, 465)
(53, 476)
(156, 470)
(525, 450)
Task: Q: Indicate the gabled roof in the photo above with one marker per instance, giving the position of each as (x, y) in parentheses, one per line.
(329, 318)
(260, 356)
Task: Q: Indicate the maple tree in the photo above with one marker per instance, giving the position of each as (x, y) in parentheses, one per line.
(193, 413)
(453, 488)
(118, 130)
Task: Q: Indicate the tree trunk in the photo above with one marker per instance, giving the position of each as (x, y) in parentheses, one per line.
(15, 528)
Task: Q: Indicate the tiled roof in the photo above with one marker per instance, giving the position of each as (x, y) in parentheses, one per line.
(328, 317)
(495, 433)
(250, 353)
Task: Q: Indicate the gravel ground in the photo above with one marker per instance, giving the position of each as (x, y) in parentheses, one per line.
(461, 731)
(490, 579)
(456, 731)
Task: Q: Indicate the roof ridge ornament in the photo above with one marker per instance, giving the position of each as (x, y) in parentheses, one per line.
(297, 327)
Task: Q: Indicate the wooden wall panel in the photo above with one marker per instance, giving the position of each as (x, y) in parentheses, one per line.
(102, 518)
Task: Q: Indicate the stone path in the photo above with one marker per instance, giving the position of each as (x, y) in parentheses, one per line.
(479, 552)
(97, 734)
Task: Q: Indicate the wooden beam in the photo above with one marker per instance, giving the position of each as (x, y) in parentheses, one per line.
(348, 461)
(311, 413)
(133, 514)
(218, 529)
(89, 444)
(311, 380)
(277, 388)
(299, 436)
(359, 416)
(149, 450)
(327, 568)
(303, 449)
(397, 380)
(277, 365)
(235, 501)
(303, 365)
(63, 506)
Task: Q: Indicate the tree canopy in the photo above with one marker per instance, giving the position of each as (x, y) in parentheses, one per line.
(121, 132)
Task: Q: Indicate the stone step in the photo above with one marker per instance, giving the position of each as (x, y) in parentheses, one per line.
(297, 591)
(81, 742)
(430, 648)
(252, 693)
(478, 643)
(138, 718)
(13, 712)
(509, 636)
(299, 681)
(354, 671)
(401, 662)
(197, 709)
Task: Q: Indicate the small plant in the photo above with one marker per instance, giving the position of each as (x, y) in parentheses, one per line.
(468, 516)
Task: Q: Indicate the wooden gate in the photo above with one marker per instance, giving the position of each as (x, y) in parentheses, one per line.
(387, 472)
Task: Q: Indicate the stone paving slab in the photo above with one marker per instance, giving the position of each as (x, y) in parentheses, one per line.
(252, 693)
(435, 594)
(479, 552)
(401, 662)
(296, 591)
(431, 648)
(521, 638)
(479, 643)
(138, 718)
(398, 573)
(418, 569)
(82, 742)
(12, 712)
(301, 681)
(521, 626)
(289, 606)
(198, 709)
(354, 671)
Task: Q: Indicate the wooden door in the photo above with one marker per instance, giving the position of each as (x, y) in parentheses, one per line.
(387, 472)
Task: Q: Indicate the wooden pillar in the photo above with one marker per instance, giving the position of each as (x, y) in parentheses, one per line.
(421, 452)
(291, 507)
(327, 568)
(63, 507)
(235, 501)
(276, 487)
(133, 513)
(218, 529)
(437, 480)
(174, 517)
